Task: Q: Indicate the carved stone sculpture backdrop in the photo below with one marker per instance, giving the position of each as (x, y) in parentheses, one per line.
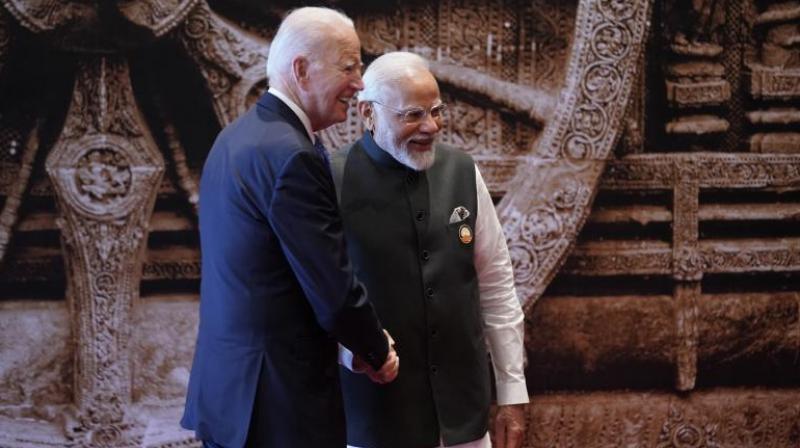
(643, 155)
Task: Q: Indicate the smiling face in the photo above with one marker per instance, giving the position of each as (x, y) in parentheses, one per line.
(411, 144)
(332, 80)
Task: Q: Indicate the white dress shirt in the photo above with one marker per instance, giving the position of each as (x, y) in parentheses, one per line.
(501, 311)
(296, 109)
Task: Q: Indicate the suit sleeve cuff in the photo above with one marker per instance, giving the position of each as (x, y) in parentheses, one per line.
(512, 393)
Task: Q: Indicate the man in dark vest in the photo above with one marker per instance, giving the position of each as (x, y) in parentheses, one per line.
(277, 289)
(424, 237)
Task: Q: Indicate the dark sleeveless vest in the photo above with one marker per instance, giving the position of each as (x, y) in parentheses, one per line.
(421, 279)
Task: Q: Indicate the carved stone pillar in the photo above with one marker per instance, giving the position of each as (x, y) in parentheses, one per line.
(687, 270)
(105, 169)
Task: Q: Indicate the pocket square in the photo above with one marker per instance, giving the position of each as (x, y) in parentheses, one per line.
(459, 214)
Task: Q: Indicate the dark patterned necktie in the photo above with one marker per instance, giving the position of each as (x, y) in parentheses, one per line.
(321, 150)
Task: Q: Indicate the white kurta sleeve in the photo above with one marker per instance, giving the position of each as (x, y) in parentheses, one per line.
(500, 308)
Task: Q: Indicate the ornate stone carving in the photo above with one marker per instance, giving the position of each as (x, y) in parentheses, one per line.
(756, 256)
(769, 83)
(696, 81)
(678, 433)
(617, 261)
(161, 16)
(172, 269)
(232, 63)
(97, 26)
(575, 143)
(686, 317)
(545, 55)
(105, 169)
(531, 103)
(710, 419)
(775, 75)
(713, 170)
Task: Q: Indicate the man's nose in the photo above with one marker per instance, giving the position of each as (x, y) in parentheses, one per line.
(430, 124)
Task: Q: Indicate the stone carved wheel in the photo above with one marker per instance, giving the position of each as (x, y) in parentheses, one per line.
(558, 103)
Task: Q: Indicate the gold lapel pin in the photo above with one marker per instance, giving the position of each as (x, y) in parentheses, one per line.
(465, 234)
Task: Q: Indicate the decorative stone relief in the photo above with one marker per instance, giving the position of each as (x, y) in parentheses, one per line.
(694, 77)
(570, 158)
(46, 15)
(776, 76)
(713, 170)
(706, 420)
(232, 62)
(80, 25)
(105, 169)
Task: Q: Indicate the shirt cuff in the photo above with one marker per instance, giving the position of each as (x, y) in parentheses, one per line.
(512, 393)
(345, 357)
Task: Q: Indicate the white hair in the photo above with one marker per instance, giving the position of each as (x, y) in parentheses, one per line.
(307, 31)
(389, 69)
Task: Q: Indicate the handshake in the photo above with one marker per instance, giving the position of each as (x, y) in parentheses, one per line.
(387, 373)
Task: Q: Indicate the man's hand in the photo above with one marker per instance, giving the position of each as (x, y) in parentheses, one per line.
(509, 426)
(388, 371)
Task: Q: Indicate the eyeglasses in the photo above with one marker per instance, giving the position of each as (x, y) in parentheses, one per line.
(415, 115)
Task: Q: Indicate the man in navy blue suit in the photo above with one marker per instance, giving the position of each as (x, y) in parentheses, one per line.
(277, 289)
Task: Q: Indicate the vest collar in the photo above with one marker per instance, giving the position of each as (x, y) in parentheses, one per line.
(379, 155)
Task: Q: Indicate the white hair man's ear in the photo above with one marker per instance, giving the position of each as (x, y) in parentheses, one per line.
(300, 70)
(365, 111)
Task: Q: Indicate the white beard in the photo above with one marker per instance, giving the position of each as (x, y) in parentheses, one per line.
(417, 161)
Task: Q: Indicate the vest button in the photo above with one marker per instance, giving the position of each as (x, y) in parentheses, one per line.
(434, 332)
(411, 178)
(434, 369)
(425, 255)
(429, 292)
(420, 215)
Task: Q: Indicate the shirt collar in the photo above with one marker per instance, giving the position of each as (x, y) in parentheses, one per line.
(296, 109)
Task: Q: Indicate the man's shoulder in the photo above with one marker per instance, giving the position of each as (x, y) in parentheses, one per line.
(265, 135)
(453, 154)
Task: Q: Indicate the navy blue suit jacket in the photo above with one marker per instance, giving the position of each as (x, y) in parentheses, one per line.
(277, 291)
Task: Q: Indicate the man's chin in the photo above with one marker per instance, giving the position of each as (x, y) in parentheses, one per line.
(420, 160)
(336, 117)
